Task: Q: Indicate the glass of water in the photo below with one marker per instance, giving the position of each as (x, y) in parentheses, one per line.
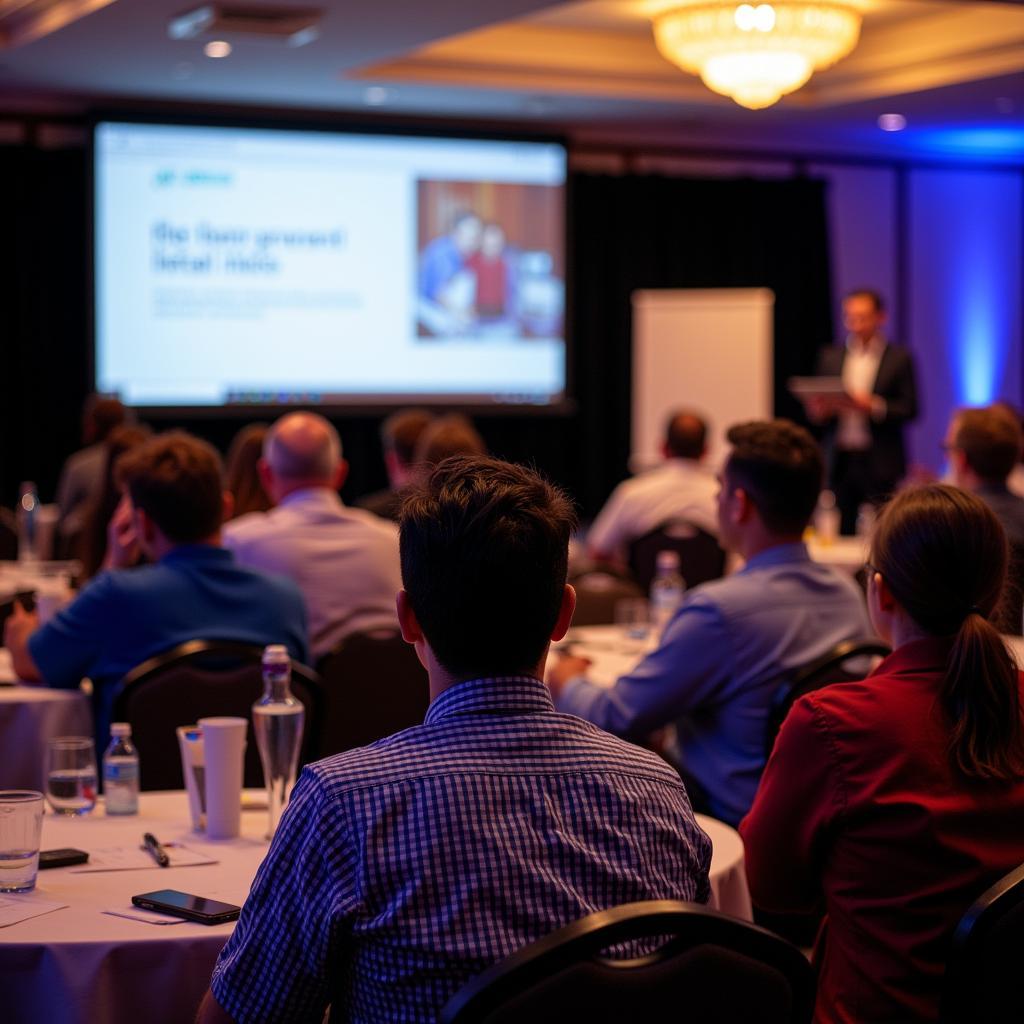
(21, 825)
(71, 774)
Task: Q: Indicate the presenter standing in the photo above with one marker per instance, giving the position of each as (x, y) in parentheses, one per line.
(863, 429)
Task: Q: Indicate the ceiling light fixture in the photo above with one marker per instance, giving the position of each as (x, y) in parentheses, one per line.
(757, 53)
(892, 122)
(217, 48)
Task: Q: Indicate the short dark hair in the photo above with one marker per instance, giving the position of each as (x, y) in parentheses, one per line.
(401, 430)
(780, 467)
(446, 436)
(104, 414)
(686, 435)
(868, 293)
(177, 480)
(484, 551)
(990, 439)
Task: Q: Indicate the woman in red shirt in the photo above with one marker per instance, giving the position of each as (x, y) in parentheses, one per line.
(893, 803)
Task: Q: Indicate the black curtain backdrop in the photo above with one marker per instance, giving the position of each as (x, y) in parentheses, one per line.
(625, 233)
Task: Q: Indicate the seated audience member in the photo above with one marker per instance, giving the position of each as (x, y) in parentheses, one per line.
(444, 437)
(402, 869)
(344, 560)
(92, 542)
(680, 488)
(984, 446)
(241, 475)
(398, 436)
(195, 590)
(82, 473)
(897, 801)
(729, 650)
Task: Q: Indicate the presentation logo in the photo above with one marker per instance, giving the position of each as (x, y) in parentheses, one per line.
(166, 177)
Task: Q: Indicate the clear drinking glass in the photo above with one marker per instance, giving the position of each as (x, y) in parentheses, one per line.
(21, 825)
(71, 774)
(632, 614)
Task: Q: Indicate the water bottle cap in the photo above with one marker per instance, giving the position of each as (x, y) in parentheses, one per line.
(276, 654)
(120, 729)
(668, 560)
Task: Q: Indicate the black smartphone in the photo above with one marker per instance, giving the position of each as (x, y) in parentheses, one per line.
(183, 904)
(61, 858)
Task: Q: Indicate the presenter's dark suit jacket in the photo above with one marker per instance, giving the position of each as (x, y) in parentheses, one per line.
(887, 460)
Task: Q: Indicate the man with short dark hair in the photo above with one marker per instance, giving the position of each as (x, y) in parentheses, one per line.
(734, 642)
(344, 560)
(680, 488)
(984, 446)
(398, 436)
(402, 869)
(175, 502)
(863, 431)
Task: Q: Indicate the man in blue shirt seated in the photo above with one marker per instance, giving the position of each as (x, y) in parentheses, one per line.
(402, 869)
(173, 506)
(735, 642)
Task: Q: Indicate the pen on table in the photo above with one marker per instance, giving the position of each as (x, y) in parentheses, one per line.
(153, 846)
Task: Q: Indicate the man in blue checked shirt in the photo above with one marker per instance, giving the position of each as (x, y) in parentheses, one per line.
(402, 869)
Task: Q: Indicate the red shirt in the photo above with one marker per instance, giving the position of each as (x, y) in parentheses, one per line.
(860, 807)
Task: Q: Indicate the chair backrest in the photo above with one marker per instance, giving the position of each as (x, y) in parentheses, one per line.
(597, 594)
(832, 667)
(700, 557)
(373, 685)
(202, 679)
(712, 968)
(983, 980)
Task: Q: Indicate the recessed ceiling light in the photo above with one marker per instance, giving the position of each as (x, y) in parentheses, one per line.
(376, 95)
(217, 48)
(892, 122)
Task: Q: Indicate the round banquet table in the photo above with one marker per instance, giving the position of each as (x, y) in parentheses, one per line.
(29, 717)
(81, 966)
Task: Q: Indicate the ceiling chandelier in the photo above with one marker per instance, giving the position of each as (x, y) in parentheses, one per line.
(756, 54)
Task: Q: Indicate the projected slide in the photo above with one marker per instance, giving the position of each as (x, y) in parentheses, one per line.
(244, 266)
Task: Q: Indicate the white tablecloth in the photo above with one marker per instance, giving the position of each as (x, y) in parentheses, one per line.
(81, 966)
(846, 553)
(29, 716)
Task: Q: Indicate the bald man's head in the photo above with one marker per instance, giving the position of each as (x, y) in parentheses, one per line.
(302, 450)
(685, 435)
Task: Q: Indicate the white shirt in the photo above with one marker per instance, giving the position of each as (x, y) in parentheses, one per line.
(860, 370)
(678, 489)
(344, 560)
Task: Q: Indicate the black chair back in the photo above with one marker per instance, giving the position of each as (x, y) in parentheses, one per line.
(832, 667)
(700, 557)
(373, 686)
(983, 981)
(597, 594)
(711, 969)
(202, 679)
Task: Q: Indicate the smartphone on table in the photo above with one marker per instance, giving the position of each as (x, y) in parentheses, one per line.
(183, 904)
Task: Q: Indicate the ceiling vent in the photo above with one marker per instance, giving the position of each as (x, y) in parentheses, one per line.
(294, 26)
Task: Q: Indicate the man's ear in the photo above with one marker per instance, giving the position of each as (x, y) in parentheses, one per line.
(145, 528)
(227, 506)
(565, 613)
(744, 508)
(407, 621)
(340, 475)
(266, 475)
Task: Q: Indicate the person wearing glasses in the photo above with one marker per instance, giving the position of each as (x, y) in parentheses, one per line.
(894, 802)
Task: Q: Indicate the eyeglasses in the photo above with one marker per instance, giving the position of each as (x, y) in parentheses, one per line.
(870, 570)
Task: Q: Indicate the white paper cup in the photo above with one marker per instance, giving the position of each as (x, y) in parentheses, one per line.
(224, 753)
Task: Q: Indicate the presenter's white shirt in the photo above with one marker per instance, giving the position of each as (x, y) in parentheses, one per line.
(860, 370)
(344, 560)
(678, 489)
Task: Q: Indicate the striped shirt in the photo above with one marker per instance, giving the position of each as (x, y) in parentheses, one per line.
(402, 869)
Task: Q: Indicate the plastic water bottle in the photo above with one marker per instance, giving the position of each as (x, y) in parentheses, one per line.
(667, 589)
(121, 771)
(28, 523)
(827, 518)
(277, 720)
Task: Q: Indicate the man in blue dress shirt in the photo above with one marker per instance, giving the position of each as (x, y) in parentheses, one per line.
(193, 589)
(734, 642)
(402, 869)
